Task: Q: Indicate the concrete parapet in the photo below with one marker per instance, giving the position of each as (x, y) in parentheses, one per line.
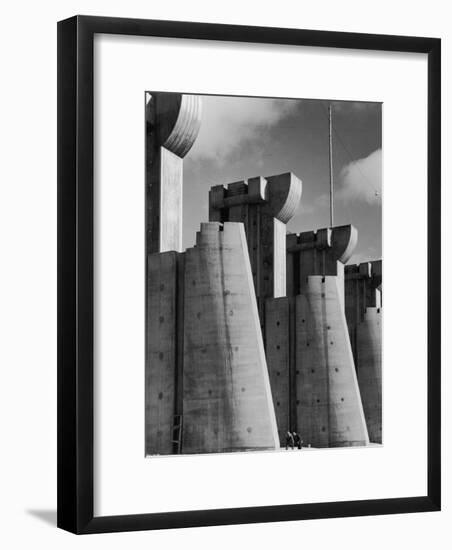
(329, 409)
(227, 402)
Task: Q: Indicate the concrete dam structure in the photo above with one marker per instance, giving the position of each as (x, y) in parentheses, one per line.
(252, 332)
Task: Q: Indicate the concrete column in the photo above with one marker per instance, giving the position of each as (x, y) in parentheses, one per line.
(329, 409)
(364, 318)
(227, 402)
(172, 125)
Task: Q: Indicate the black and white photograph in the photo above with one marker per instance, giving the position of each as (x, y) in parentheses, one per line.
(263, 274)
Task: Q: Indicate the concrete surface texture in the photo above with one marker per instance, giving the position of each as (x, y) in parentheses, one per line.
(172, 125)
(278, 353)
(227, 403)
(161, 352)
(329, 411)
(363, 300)
(328, 403)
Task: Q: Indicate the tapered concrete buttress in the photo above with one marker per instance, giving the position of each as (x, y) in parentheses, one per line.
(330, 412)
(227, 401)
(364, 317)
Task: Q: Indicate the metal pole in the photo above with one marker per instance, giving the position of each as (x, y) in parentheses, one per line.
(331, 166)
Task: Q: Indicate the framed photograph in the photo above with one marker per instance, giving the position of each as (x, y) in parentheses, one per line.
(248, 274)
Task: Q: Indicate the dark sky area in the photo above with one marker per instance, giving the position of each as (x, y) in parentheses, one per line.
(245, 137)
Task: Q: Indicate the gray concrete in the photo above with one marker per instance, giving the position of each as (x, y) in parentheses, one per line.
(161, 352)
(227, 402)
(329, 411)
(363, 284)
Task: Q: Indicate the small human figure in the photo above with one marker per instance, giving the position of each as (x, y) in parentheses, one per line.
(297, 440)
(289, 440)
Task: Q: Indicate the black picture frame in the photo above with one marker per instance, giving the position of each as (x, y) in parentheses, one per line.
(75, 273)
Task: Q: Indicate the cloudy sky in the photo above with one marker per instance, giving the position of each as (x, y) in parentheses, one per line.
(246, 137)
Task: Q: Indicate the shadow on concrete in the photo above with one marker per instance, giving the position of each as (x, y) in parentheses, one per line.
(47, 516)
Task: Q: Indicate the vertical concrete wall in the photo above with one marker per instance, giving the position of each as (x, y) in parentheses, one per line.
(227, 400)
(330, 412)
(364, 319)
(277, 349)
(369, 347)
(161, 352)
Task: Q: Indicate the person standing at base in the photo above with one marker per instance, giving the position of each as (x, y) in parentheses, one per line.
(289, 440)
(297, 440)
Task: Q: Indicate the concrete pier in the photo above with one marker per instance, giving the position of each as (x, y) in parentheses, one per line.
(364, 318)
(227, 402)
(329, 411)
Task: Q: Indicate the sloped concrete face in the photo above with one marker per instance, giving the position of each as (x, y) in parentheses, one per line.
(227, 401)
(329, 409)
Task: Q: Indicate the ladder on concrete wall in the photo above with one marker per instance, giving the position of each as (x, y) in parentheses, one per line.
(177, 433)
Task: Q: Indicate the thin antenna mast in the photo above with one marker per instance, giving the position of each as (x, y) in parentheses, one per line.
(331, 166)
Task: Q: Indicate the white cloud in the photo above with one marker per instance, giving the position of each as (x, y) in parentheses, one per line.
(228, 122)
(361, 180)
